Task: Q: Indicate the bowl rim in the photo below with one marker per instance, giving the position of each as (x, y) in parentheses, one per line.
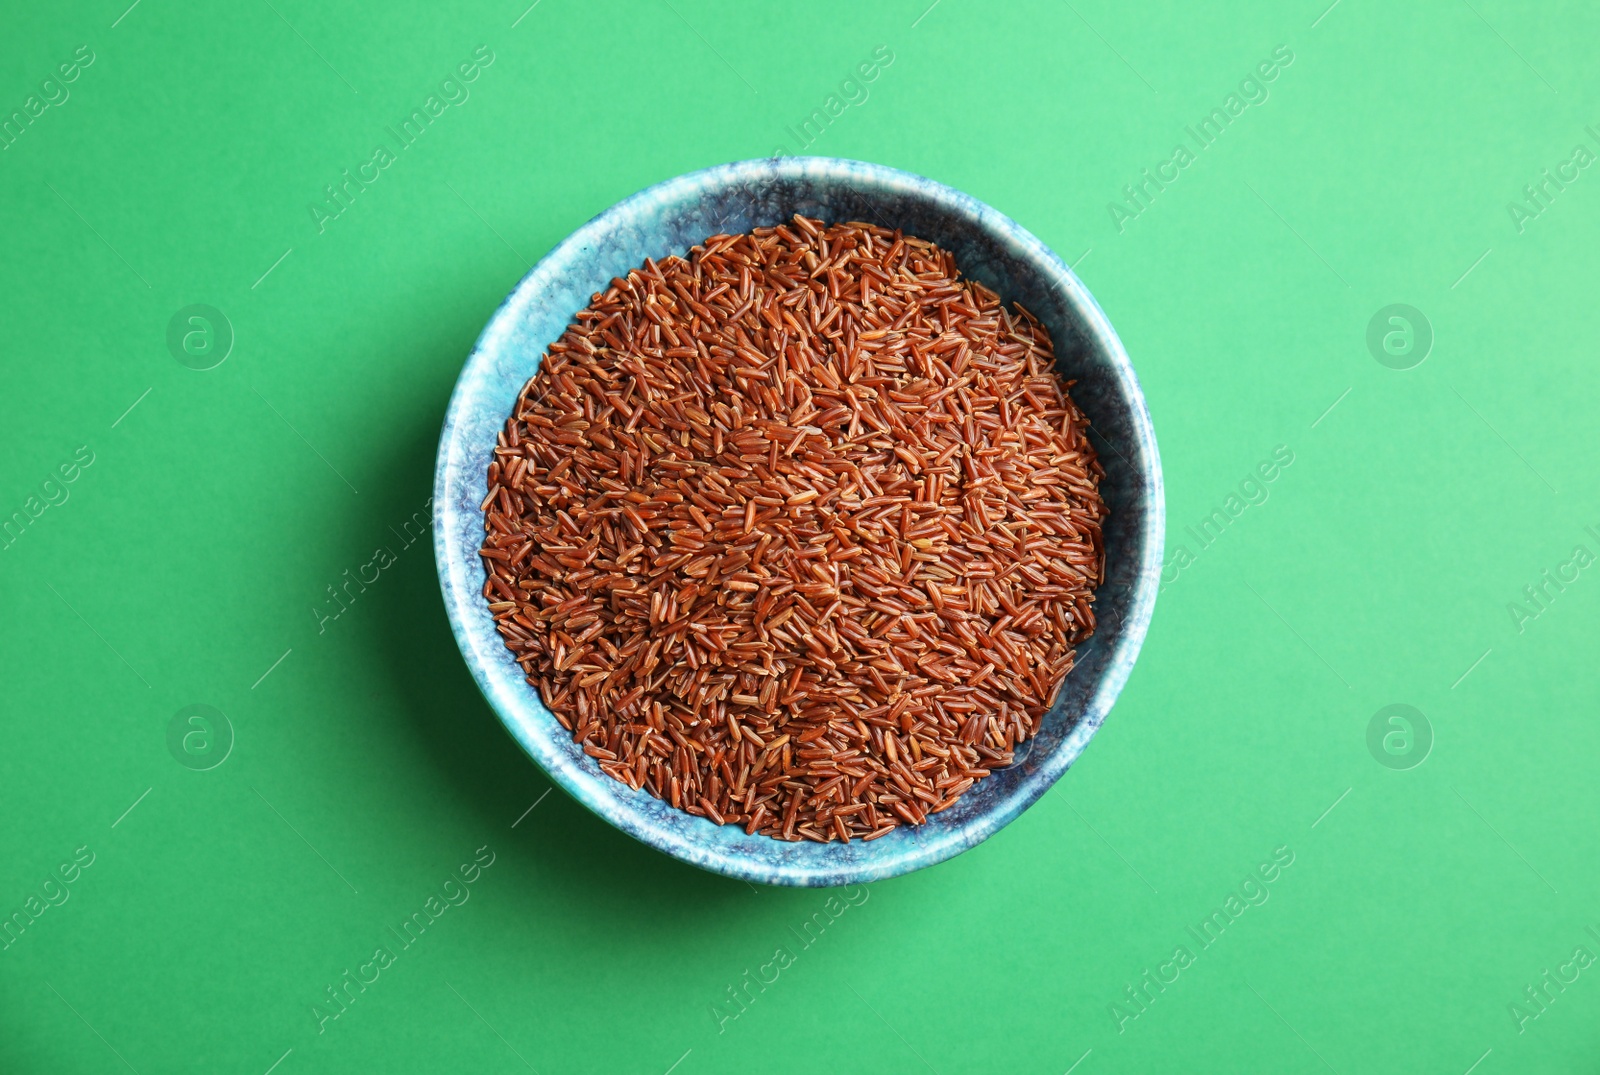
(517, 705)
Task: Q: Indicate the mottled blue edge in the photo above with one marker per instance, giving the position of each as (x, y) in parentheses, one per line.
(669, 218)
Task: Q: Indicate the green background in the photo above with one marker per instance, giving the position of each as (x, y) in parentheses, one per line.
(186, 563)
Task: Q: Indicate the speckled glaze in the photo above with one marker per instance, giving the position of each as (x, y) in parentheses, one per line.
(671, 217)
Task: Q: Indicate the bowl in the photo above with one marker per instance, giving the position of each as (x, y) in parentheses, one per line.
(671, 217)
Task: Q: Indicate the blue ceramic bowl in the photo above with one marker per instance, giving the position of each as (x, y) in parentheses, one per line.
(671, 217)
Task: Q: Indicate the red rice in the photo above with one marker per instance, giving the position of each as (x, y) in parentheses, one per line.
(799, 533)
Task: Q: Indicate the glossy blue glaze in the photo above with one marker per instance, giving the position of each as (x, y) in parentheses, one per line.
(671, 217)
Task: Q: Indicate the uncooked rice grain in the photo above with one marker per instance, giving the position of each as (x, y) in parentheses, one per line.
(798, 533)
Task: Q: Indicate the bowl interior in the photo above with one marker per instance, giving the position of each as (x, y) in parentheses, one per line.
(669, 219)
